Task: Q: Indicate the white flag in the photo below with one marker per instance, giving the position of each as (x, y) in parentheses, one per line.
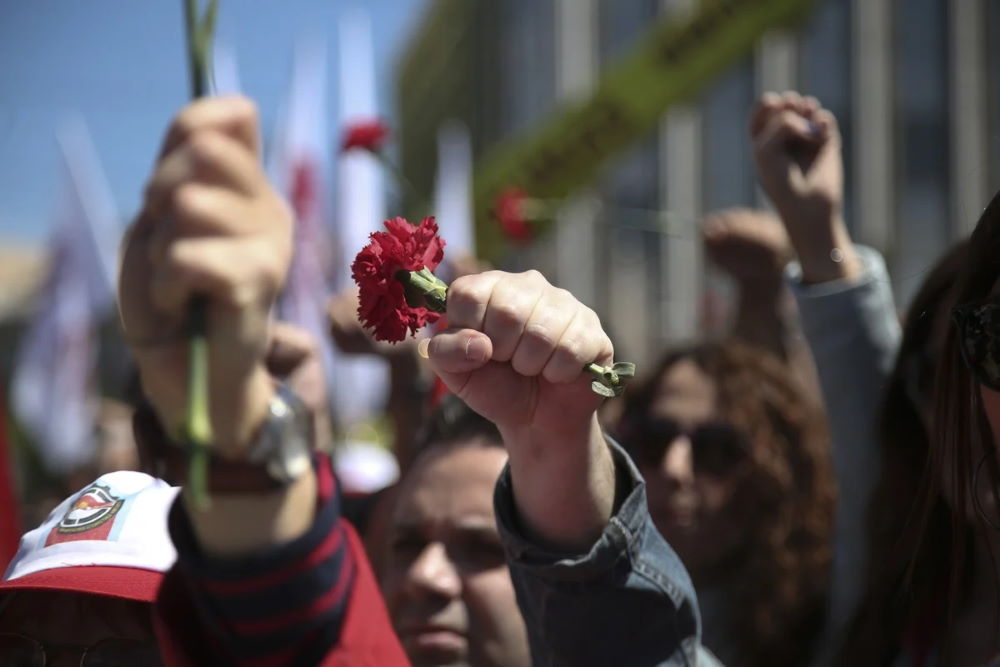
(53, 383)
(298, 167)
(360, 211)
(452, 193)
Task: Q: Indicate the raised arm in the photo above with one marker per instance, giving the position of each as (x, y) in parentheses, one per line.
(595, 581)
(268, 570)
(846, 307)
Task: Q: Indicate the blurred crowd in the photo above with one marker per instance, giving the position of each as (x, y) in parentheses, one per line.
(816, 487)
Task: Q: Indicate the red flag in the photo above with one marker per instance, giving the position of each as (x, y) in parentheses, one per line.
(10, 508)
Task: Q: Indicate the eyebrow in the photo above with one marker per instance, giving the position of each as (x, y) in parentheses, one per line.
(475, 526)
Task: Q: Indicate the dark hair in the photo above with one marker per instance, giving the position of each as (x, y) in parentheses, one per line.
(884, 613)
(784, 569)
(960, 433)
(453, 421)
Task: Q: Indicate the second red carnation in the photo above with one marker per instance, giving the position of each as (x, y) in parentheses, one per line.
(369, 135)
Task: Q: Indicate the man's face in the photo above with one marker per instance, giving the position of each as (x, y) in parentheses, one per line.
(67, 624)
(446, 581)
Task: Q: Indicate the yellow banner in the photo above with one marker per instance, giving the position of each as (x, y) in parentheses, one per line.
(673, 63)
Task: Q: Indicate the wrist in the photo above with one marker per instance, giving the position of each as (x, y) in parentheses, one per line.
(823, 247)
(238, 410)
(564, 491)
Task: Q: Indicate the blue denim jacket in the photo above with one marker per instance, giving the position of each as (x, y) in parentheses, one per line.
(629, 601)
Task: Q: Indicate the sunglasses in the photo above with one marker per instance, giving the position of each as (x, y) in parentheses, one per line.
(717, 447)
(23, 651)
(978, 328)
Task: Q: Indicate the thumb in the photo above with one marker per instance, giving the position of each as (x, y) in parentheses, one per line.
(456, 352)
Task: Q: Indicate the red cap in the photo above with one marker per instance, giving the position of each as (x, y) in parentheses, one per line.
(128, 583)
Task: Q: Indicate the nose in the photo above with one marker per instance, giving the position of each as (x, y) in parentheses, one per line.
(434, 573)
(677, 464)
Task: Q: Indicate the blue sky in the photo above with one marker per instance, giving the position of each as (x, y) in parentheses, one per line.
(121, 64)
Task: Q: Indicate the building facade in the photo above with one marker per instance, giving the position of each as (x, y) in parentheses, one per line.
(913, 85)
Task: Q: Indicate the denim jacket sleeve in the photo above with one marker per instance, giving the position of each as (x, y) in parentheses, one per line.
(628, 601)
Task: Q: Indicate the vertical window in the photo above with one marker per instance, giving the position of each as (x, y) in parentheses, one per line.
(728, 177)
(922, 153)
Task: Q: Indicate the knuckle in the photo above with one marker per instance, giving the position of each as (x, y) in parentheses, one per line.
(563, 295)
(571, 348)
(534, 275)
(244, 109)
(505, 314)
(205, 147)
(461, 286)
(461, 292)
(538, 336)
(188, 120)
(187, 200)
(184, 123)
(176, 258)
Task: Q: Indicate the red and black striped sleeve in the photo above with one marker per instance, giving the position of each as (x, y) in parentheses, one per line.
(285, 606)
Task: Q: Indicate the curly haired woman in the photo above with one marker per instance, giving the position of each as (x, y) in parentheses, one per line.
(735, 458)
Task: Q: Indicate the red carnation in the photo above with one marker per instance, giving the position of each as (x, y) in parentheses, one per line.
(380, 268)
(369, 135)
(510, 212)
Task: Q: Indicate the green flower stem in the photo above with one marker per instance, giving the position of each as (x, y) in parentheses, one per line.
(197, 420)
(423, 288)
(603, 374)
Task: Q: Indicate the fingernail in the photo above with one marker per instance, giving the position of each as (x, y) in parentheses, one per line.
(475, 349)
(423, 346)
(815, 129)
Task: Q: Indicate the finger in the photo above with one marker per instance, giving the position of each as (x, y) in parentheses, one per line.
(762, 111)
(550, 318)
(512, 301)
(199, 211)
(715, 227)
(792, 100)
(827, 125)
(235, 273)
(784, 128)
(454, 353)
(342, 309)
(203, 210)
(583, 342)
(288, 348)
(235, 116)
(468, 298)
(207, 157)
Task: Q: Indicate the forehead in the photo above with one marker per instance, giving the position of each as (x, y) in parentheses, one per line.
(450, 483)
(686, 393)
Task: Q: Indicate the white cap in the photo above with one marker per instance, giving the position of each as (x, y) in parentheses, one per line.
(118, 521)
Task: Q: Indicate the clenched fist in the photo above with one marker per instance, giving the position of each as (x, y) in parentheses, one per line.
(797, 152)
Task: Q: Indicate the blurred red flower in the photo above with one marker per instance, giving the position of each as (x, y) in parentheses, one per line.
(509, 210)
(369, 135)
(403, 247)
